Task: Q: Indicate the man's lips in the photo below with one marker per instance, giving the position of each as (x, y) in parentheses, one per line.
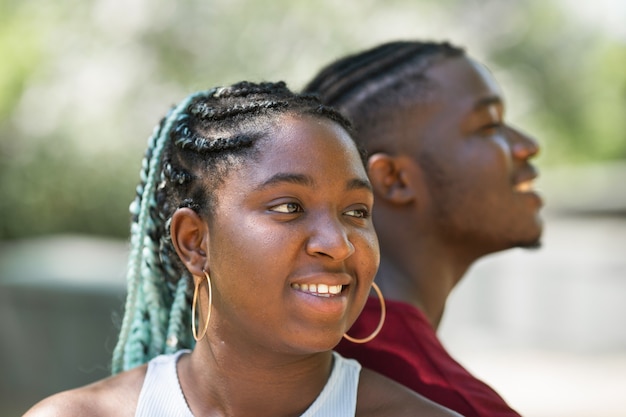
(524, 181)
(524, 186)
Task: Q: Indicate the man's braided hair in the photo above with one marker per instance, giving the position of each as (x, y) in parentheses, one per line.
(370, 85)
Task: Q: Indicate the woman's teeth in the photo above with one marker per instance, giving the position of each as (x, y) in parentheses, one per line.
(322, 290)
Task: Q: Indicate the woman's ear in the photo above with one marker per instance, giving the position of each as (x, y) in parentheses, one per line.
(190, 239)
(390, 178)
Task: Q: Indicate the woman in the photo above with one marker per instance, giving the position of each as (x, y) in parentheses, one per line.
(254, 208)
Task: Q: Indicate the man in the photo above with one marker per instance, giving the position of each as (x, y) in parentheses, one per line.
(452, 183)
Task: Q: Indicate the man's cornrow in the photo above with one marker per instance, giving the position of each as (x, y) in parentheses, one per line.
(343, 76)
(189, 153)
(353, 81)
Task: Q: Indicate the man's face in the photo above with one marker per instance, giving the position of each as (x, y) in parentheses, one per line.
(476, 167)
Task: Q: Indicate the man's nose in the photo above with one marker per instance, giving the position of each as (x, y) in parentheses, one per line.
(523, 146)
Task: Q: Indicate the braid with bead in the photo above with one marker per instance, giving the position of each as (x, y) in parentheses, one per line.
(188, 156)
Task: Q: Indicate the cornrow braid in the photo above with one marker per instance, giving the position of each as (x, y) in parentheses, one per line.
(203, 110)
(364, 85)
(362, 71)
(246, 88)
(189, 155)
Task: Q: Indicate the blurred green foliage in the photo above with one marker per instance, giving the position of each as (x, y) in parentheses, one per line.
(82, 83)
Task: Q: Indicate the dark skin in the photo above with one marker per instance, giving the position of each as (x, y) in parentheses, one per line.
(452, 183)
(117, 396)
(267, 351)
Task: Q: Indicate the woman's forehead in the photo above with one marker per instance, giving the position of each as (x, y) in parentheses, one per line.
(304, 145)
(308, 137)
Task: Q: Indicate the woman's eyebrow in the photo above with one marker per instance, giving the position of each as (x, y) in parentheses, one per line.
(281, 177)
(301, 179)
(358, 183)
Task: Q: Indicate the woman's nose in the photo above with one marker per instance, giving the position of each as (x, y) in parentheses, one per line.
(523, 146)
(329, 238)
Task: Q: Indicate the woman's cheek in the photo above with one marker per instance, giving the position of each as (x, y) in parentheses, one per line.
(371, 255)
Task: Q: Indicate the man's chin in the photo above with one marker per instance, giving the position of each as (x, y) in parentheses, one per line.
(535, 244)
(533, 241)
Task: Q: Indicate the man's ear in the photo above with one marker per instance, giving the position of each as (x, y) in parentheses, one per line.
(390, 178)
(190, 239)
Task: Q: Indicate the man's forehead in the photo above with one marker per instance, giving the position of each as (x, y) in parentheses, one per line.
(459, 77)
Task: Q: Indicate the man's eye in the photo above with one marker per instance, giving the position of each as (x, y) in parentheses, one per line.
(491, 128)
(287, 208)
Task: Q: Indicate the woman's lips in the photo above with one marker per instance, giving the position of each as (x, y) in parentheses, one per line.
(321, 290)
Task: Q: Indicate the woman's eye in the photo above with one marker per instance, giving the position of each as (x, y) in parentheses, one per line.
(287, 208)
(358, 213)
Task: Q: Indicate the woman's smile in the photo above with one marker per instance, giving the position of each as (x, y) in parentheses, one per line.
(319, 290)
(299, 225)
(326, 295)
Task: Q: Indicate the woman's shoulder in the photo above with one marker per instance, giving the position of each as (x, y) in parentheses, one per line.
(113, 396)
(380, 396)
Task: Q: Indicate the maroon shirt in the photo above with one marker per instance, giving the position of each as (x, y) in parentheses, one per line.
(407, 350)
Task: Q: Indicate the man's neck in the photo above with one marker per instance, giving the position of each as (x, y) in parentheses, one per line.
(423, 278)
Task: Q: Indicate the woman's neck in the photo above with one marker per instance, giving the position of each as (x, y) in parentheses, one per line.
(218, 380)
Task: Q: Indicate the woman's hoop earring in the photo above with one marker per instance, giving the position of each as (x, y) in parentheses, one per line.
(193, 308)
(383, 314)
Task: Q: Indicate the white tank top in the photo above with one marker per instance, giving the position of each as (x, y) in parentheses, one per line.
(162, 396)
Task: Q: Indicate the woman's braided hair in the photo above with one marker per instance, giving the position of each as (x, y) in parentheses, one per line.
(189, 154)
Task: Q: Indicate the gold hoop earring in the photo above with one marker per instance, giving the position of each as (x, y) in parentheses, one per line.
(383, 314)
(193, 308)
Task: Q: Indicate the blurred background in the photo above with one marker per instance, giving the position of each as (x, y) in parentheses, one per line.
(82, 83)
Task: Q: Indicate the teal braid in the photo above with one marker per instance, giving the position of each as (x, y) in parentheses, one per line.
(123, 357)
(178, 329)
(134, 257)
(154, 296)
(133, 349)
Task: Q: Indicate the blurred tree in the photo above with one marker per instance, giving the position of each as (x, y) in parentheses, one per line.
(577, 78)
(83, 82)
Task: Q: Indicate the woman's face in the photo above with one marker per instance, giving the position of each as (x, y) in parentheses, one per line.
(292, 249)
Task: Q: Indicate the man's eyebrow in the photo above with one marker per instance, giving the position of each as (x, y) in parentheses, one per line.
(488, 101)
